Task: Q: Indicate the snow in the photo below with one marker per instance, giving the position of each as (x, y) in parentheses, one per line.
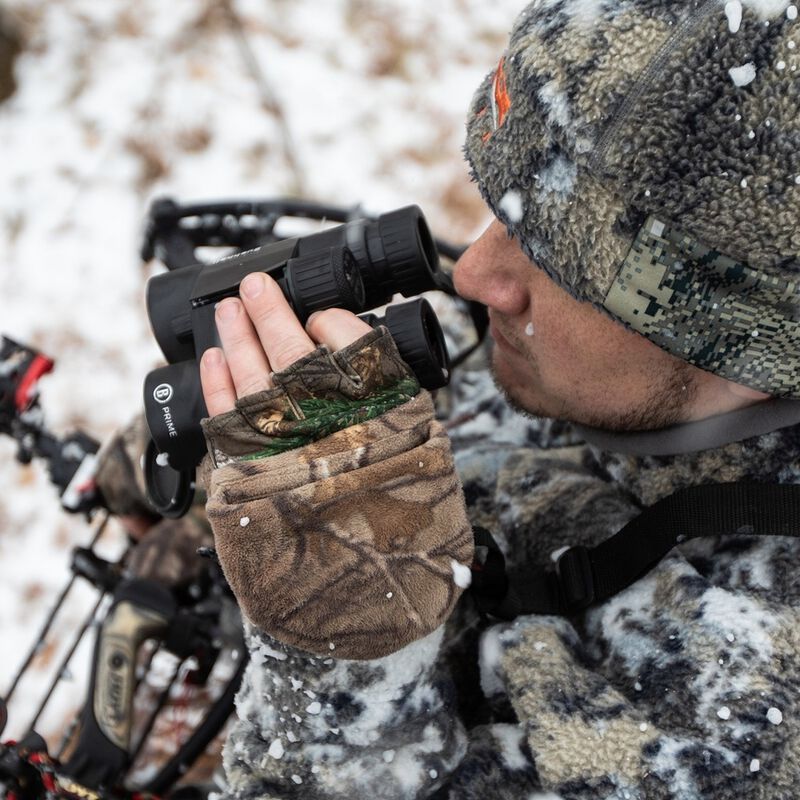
(297, 779)
(493, 645)
(314, 708)
(557, 103)
(558, 177)
(733, 11)
(755, 765)
(462, 575)
(775, 715)
(388, 756)
(511, 740)
(244, 522)
(544, 796)
(744, 74)
(791, 12)
(276, 749)
(162, 459)
(529, 329)
(261, 654)
(511, 205)
(724, 712)
(743, 618)
(766, 9)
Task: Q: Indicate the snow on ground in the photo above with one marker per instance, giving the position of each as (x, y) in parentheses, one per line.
(345, 101)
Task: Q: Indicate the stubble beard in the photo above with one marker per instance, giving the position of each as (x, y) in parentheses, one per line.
(670, 395)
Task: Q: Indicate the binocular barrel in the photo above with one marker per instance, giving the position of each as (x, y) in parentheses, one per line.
(358, 265)
(394, 254)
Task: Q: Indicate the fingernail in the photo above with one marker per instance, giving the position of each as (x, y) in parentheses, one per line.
(212, 357)
(228, 309)
(253, 285)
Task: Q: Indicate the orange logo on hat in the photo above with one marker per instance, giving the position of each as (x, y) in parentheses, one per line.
(501, 100)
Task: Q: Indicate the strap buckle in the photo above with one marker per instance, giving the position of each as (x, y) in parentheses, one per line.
(576, 578)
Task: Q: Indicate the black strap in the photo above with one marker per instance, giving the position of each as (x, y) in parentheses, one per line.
(587, 575)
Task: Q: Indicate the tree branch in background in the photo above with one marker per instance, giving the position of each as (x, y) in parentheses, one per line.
(269, 100)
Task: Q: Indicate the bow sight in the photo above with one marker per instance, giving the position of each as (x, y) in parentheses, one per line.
(358, 265)
(192, 634)
(71, 460)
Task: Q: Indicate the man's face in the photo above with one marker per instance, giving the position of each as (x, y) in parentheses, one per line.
(557, 357)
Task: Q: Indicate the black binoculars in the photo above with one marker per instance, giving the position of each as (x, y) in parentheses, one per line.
(359, 265)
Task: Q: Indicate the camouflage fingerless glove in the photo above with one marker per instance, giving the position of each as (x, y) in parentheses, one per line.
(317, 395)
(347, 540)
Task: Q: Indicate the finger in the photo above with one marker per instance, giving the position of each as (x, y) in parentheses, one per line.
(281, 334)
(244, 354)
(215, 377)
(336, 327)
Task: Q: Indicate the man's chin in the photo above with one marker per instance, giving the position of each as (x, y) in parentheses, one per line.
(666, 404)
(516, 397)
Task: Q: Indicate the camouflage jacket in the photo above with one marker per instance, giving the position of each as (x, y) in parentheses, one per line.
(681, 687)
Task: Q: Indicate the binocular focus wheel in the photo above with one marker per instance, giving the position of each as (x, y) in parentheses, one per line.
(324, 280)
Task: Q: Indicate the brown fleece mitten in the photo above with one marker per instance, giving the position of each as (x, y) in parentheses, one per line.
(352, 539)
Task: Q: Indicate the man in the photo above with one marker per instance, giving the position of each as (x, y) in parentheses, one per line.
(643, 163)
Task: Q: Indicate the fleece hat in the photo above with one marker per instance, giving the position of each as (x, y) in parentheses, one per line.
(646, 155)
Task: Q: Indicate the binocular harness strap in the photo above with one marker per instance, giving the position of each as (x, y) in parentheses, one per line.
(587, 575)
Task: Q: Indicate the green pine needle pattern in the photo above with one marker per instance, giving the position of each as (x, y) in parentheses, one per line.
(324, 417)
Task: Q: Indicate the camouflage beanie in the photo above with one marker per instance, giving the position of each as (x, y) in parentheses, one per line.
(646, 154)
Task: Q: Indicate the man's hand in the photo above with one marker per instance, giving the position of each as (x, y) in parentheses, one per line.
(260, 335)
(336, 510)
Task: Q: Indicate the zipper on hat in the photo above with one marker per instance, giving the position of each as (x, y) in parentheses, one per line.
(685, 29)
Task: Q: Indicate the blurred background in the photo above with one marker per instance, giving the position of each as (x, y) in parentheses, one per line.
(106, 105)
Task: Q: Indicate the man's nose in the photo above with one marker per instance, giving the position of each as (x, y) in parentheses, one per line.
(489, 272)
